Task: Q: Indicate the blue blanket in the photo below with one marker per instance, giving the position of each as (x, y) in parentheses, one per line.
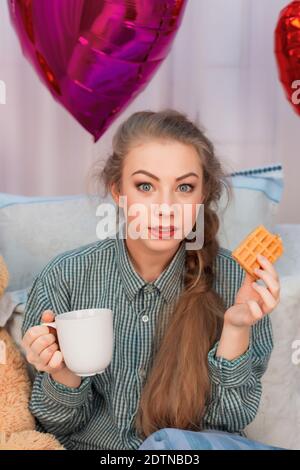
(171, 438)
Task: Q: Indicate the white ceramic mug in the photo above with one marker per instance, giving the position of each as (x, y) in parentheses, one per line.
(85, 339)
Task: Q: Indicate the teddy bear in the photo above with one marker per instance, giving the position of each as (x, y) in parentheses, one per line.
(17, 424)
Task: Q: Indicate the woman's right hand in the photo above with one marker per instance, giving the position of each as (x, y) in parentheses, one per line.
(42, 351)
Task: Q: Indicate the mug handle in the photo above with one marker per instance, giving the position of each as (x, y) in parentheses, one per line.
(53, 324)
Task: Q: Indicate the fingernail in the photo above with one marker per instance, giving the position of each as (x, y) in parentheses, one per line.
(261, 257)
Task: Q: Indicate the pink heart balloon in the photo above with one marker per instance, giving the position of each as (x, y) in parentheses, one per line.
(96, 56)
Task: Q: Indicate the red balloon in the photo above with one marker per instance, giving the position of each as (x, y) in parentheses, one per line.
(96, 56)
(287, 51)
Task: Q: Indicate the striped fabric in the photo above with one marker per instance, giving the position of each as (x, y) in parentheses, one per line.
(99, 414)
(259, 171)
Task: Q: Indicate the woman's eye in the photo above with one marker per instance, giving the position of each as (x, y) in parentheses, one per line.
(188, 187)
(147, 185)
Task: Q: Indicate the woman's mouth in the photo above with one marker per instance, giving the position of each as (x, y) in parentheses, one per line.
(162, 232)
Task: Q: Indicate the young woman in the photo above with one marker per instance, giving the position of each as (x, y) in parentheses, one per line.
(192, 334)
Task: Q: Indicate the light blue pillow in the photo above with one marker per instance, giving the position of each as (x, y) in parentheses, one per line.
(35, 229)
(257, 193)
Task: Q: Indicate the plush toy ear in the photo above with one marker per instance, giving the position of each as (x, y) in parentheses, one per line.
(4, 276)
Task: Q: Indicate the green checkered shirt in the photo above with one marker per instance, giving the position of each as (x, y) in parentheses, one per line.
(99, 414)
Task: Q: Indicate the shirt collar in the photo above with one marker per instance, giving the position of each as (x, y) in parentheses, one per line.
(168, 282)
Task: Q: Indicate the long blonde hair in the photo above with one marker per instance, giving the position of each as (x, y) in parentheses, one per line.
(177, 388)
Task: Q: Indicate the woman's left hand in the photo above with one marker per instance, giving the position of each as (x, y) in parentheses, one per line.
(253, 300)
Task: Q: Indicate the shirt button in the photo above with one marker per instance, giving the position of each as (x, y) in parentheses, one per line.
(145, 318)
(149, 288)
(142, 372)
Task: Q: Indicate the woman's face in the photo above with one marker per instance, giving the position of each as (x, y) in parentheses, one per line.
(162, 190)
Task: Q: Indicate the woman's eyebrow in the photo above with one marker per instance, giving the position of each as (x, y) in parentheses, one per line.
(156, 177)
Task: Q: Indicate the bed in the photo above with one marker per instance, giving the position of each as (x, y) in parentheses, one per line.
(37, 239)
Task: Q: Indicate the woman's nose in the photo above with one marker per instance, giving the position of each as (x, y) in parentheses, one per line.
(165, 212)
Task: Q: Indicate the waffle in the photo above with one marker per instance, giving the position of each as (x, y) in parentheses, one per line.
(260, 241)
